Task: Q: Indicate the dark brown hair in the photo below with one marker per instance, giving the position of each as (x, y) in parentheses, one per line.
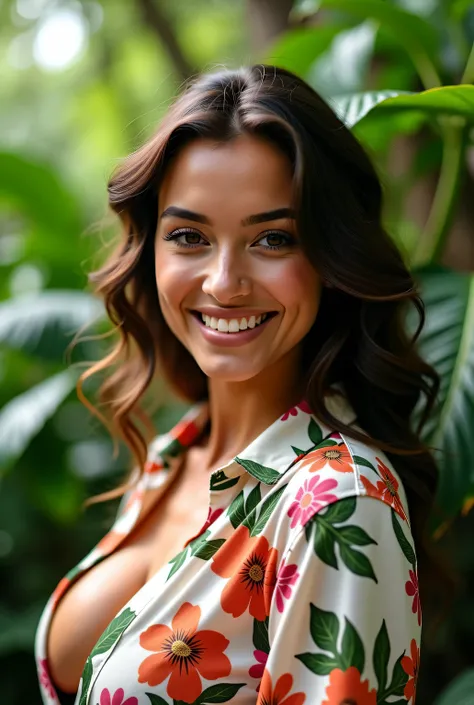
(359, 338)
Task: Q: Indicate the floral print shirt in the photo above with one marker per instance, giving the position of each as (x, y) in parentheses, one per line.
(300, 589)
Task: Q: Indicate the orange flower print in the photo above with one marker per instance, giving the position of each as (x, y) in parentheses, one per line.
(336, 455)
(385, 489)
(347, 687)
(184, 654)
(411, 666)
(250, 564)
(412, 590)
(280, 695)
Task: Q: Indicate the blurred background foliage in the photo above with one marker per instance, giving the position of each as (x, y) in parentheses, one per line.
(84, 83)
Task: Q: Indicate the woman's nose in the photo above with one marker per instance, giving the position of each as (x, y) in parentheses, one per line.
(226, 279)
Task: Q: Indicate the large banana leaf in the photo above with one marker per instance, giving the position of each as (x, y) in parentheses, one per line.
(45, 323)
(447, 342)
(298, 48)
(455, 101)
(25, 415)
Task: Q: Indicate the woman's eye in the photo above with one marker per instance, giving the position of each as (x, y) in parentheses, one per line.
(185, 238)
(276, 240)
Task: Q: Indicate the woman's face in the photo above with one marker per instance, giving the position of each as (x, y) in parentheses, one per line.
(227, 255)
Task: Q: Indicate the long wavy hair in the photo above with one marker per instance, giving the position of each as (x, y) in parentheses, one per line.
(360, 336)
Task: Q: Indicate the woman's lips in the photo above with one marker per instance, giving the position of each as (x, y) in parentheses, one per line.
(217, 337)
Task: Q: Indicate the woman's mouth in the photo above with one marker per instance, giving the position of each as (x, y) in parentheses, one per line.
(232, 331)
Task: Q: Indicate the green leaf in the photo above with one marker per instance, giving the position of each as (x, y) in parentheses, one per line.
(298, 451)
(339, 511)
(417, 36)
(22, 418)
(220, 693)
(403, 542)
(113, 632)
(355, 535)
(86, 681)
(260, 635)
(321, 664)
(457, 101)
(253, 500)
(198, 542)
(399, 679)
(44, 323)
(267, 475)
(220, 481)
(177, 562)
(314, 432)
(324, 627)
(156, 699)
(298, 48)
(359, 460)
(352, 648)
(381, 657)
(324, 545)
(266, 511)
(357, 562)
(236, 512)
(447, 342)
(353, 107)
(209, 548)
(459, 691)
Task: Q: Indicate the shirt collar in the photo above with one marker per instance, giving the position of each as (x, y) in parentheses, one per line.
(269, 455)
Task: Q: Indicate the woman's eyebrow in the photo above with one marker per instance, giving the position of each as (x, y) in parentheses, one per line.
(186, 214)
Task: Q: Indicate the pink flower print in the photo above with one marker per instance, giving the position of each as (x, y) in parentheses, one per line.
(256, 671)
(311, 498)
(44, 678)
(412, 590)
(286, 577)
(117, 698)
(302, 406)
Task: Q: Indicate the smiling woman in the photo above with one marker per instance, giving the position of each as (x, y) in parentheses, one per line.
(266, 547)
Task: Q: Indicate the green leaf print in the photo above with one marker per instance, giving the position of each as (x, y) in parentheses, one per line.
(220, 481)
(352, 648)
(208, 549)
(381, 657)
(220, 693)
(262, 473)
(327, 535)
(260, 636)
(403, 542)
(399, 679)
(266, 511)
(314, 432)
(356, 562)
(324, 546)
(253, 499)
(113, 632)
(177, 562)
(236, 511)
(359, 460)
(340, 511)
(196, 544)
(156, 699)
(298, 451)
(320, 664)
(324, 628)
(86, 681)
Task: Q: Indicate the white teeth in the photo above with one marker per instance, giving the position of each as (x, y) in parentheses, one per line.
(233, 325)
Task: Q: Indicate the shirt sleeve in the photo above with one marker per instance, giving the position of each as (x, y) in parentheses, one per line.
(345, 618)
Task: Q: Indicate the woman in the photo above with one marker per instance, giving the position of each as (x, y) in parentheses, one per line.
(265, 551)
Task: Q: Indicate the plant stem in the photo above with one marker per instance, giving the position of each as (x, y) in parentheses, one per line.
(432, 242)
(468, 75)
